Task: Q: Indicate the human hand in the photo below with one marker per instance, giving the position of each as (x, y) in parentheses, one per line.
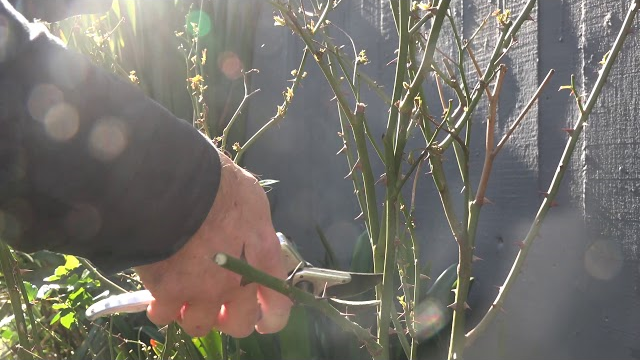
(190, 288)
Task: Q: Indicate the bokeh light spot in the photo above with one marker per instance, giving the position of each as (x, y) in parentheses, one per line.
(41, 99)
(62, 122)
(83, 222)
(198, 23)
(603, 260)
(230, 65)
(431, 317)
(108, 139)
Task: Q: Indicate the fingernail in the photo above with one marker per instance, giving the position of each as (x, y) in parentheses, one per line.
(259, 313)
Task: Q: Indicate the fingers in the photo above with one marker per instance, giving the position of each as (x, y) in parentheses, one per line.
(239, 316)
(267, 256)
(199, 318)
(164, 312)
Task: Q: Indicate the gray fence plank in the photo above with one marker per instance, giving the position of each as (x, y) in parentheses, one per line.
(578, 295)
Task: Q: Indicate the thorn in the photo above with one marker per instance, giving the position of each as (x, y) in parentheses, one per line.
(25, 271)
(347, 314)
(360, 108)
(520, 244)
(355, 167)
(359, 216)
(462, 190)
(406, 286)
(392, 61)
(554, 204)
(487, 201)
(543, 193)
(499, 307)
(569, 130)
(424, 277)
(454, 306)
(382, 179)
(475, 258)
(392, 331)
(344, 148)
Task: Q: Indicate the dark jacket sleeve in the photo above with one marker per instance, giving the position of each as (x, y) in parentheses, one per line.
(88, 164)
(56, 10)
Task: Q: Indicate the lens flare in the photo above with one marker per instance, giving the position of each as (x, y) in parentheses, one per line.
(230, 65)
(431, 317)
(198, 23)
(62, 122)
(108, 139)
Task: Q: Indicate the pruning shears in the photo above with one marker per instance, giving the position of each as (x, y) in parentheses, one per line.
(321, 282)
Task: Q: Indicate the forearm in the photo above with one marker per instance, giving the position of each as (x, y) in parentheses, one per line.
(92, 166)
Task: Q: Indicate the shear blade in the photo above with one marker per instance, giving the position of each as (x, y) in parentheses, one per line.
(360, 282)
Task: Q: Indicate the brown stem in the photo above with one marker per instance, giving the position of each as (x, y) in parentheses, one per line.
(524, 112)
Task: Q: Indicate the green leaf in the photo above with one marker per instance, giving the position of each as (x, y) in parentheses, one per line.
(72, 262)
(59, 306)
(52, 277)
(210, 346)
(55, 319)
(295, 337)
(75, 294)
(7, 334)
(68, 319)
(362, 259)
(32, 290)
(60, 272)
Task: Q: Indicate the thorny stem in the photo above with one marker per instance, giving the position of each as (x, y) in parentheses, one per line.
(384, 251)
(14, 296)
(488, 155)
(251, 274)
(351, 161)
(427, 59)
(575, 93)
(496, 307)
(355, 86)
(506, 37)
(460, 63)
(35, 335)
(456, 345)
(110, 285)
(367, 174)
(522, 115)
(407, 103)
(280, 114)
(402, 337)
(421, 22)
(236, 115)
